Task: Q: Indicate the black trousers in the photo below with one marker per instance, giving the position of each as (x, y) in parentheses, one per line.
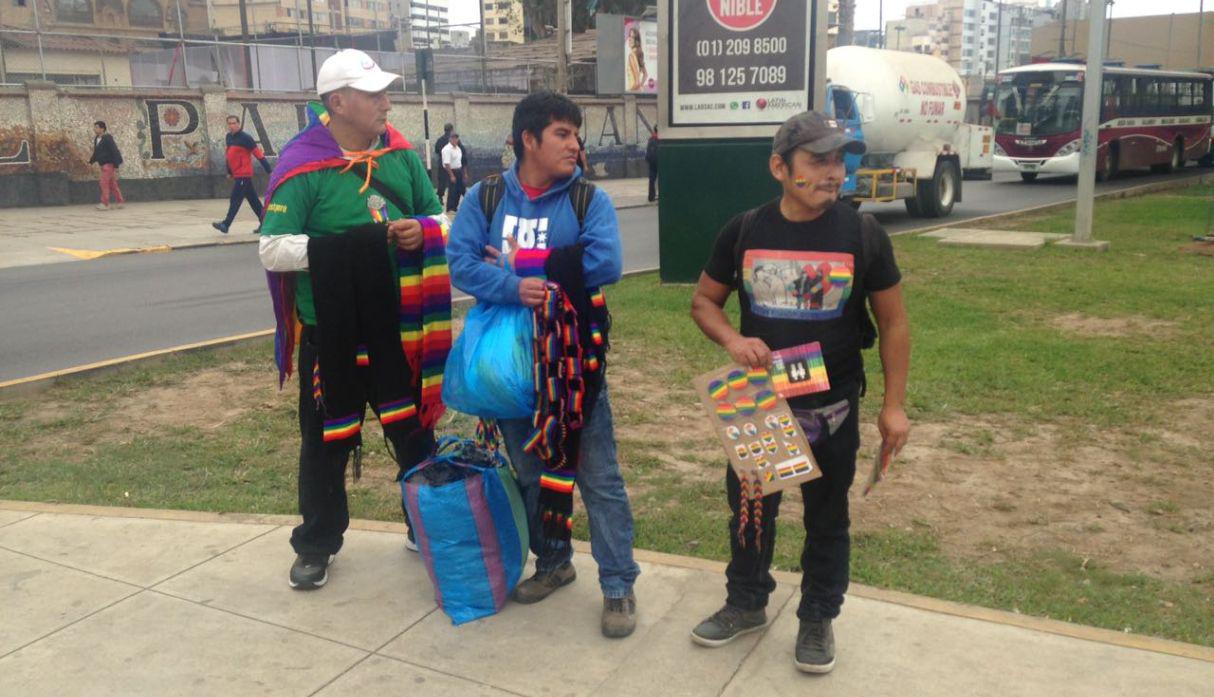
(322, 471)
(653, 182)
(455, 189)
(440, 175)
(826, 554)
(242, 190)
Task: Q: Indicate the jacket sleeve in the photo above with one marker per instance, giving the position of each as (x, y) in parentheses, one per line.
(466, 256)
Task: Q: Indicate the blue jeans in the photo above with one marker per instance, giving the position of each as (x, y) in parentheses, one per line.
(602, 487)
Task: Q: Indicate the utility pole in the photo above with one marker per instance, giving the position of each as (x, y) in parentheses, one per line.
(1062, 32)
(312, 40)
(244, 40)
(998, 37)
(1108, 36)
(1201, 19)
(484, 46)
(562, 48)
(1093, 81)
(881, 22)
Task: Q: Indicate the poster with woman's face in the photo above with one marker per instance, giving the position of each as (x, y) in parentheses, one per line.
(640, 56)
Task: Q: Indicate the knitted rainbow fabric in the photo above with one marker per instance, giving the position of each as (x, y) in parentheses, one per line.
(425, 316)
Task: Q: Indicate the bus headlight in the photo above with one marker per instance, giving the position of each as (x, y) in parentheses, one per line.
(999, 150)
(1068, 149)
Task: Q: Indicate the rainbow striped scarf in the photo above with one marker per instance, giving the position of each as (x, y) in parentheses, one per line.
(425, 316)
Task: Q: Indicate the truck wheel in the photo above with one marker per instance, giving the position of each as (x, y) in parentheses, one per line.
(938, 195)
(1027, 177)
(912, 207)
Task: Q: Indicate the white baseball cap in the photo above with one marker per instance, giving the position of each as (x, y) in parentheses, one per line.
(352, 68)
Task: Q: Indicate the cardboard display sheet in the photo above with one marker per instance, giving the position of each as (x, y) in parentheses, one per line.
(757, 428)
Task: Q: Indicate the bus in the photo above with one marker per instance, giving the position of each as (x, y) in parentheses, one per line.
(1148, 118)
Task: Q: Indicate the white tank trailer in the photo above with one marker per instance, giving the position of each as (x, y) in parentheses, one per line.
(910, 110)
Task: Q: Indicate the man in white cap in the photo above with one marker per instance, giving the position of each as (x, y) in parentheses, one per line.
(350, 176)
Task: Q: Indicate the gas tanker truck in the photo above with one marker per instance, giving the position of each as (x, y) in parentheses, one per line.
(909, 109)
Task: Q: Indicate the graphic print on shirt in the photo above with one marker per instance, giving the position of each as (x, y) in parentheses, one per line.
(531, 233)
(797, 285)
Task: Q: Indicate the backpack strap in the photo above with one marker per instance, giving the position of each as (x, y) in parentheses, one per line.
(490, 195)
(744, 231)
(581, 194)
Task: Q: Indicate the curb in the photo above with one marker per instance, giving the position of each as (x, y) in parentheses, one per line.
(927, 604)
(1140, 190)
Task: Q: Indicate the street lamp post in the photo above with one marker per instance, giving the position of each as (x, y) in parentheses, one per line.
(899, 29)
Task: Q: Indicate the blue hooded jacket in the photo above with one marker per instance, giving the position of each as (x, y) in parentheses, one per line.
(546, 223)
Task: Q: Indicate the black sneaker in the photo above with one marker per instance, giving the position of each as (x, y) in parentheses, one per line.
(543, 583)
(728, 624)
(619, 616)
(222, 227)
(815, 651)
(310, 571)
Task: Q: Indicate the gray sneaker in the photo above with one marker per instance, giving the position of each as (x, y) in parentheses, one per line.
(619, 616)
(728, 624)
(815, 651)
(543, 583)
(310, 571)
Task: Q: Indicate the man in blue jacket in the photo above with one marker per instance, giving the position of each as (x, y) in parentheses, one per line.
(548, 234)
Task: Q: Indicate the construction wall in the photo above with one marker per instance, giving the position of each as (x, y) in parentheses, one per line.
(172, 141)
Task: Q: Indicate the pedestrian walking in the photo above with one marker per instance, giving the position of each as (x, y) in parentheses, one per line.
(107, 156)
(241, 150)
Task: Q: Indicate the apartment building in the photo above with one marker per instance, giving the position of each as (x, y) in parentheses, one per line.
(429, 23)
(286, 16)
(976, 37)
(504, 21)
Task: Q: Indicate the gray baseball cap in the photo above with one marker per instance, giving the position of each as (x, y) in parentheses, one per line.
(814, 132)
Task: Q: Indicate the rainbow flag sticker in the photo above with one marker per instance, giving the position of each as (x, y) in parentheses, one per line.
(726, 411)
(736, 379)
(745, 405)
(766, 400)
(717, 389)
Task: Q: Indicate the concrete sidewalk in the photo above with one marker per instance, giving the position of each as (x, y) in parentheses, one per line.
(134, 602)
(54, 234)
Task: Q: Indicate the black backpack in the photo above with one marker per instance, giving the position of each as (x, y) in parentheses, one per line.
(581, 193)
(868, 242)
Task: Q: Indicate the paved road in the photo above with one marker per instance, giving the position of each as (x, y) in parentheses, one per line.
(57, 316)
(61, 315)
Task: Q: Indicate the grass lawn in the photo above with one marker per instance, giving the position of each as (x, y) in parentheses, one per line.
(1026, 366)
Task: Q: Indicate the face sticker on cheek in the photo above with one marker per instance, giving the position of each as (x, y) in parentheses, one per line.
(800, 182)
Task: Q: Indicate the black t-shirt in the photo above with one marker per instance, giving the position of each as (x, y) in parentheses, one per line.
(802, 284)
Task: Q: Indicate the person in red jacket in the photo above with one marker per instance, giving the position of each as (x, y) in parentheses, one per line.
(241, 151)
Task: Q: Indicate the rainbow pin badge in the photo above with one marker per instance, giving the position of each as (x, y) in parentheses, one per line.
(717, 389)
(766, 400)
(736, 379)
(745, 405)
(726, 411)
(757, 376)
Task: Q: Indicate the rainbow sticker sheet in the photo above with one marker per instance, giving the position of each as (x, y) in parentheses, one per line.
(756, 427)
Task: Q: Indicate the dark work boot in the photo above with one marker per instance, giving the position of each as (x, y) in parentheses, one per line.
(543, 583)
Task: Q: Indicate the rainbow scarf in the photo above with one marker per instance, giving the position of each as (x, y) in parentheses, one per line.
(311, 150)
(425, 316)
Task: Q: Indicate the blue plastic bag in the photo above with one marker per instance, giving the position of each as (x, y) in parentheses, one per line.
(471, 527)
(489, 370)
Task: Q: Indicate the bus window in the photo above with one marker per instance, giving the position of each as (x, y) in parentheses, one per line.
(1184, 97)
(1167, 97)
(1149, 106)
(1110, 100)
(1201, 97)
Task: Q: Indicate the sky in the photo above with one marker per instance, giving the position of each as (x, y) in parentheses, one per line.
(867, 10)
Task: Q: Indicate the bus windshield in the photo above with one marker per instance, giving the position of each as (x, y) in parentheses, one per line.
(1038, 104)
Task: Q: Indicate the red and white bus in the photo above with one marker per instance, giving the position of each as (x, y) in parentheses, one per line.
(1148, 118)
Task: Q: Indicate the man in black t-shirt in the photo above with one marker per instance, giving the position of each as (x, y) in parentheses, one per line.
(803, 266)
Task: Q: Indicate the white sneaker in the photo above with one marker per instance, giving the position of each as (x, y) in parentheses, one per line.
(120, 206)
(102, 207)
